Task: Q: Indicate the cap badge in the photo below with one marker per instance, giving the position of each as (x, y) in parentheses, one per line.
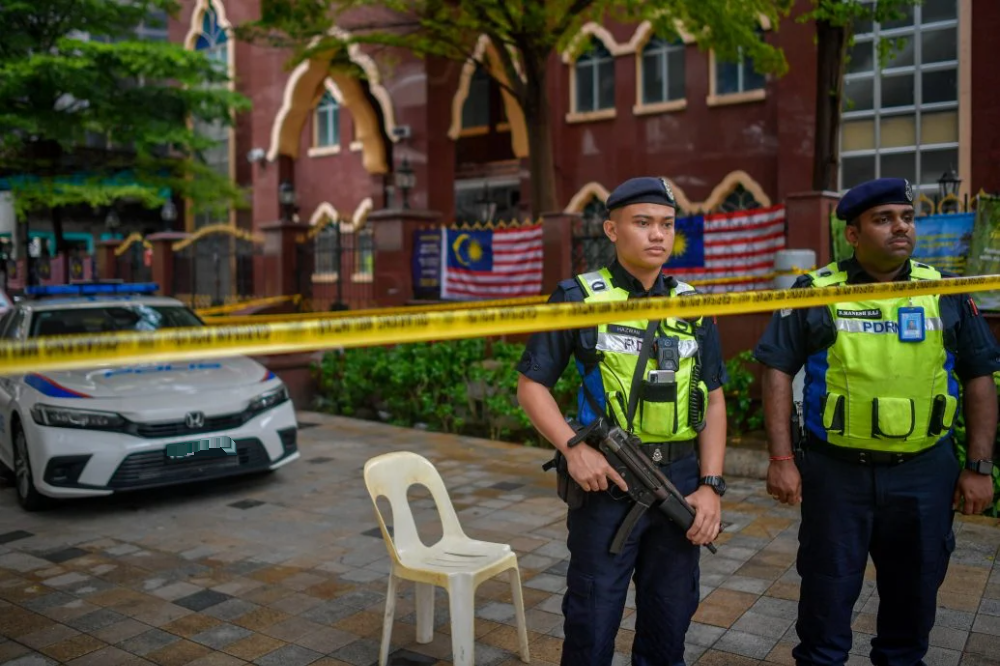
(667, 189)
(909, 190)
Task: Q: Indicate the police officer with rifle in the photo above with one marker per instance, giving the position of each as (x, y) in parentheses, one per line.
(651, 404)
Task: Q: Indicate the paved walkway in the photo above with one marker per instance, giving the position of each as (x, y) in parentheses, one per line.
(290, 569)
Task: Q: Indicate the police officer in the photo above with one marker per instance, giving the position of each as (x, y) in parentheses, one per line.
(877, 472)
(663, 557)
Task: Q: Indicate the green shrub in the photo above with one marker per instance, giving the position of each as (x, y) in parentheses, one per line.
(458, 386)
(744, 415)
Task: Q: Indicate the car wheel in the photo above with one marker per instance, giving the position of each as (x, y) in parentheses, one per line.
(27, 495)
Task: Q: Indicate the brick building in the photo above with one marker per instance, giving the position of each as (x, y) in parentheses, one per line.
(629, 104)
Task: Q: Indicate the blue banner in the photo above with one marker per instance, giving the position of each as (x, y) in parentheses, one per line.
(943, 240)
(426, 263)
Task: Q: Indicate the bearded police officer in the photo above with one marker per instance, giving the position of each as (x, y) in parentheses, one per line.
(672, 429)
(876, 472)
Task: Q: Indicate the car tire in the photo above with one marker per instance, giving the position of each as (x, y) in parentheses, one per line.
(24, 483)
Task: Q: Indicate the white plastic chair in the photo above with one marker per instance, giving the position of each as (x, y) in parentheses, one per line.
(456, 563)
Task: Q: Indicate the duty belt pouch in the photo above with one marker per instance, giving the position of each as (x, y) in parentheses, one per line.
(569, 491)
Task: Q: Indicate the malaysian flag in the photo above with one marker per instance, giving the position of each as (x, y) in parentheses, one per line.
(728, 251)
(491, 263)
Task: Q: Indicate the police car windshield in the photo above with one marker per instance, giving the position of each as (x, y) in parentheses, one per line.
(110, 319)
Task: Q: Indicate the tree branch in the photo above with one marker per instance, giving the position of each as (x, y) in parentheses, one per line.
(515, 84)
(577, 8)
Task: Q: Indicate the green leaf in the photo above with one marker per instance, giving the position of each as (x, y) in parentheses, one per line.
(59, 90)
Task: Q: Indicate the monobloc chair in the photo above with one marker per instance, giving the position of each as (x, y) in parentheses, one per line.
(456, 563)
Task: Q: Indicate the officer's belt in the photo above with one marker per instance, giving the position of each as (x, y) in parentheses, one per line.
(668, 451)
(860, 456)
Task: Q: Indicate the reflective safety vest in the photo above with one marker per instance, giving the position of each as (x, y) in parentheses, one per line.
(872, 390)
(665, 412)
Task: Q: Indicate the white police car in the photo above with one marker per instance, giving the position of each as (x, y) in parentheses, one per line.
(86, 433)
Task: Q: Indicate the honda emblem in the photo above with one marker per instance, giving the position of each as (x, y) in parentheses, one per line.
(194, 420)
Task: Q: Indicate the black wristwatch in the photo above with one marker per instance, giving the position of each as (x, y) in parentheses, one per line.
(716, 483)
(984, 467)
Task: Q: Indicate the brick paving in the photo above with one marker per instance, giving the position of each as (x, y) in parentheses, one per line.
(290, 569)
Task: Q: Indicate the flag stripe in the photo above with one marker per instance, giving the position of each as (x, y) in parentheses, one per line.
(515, 268)
(735, 250)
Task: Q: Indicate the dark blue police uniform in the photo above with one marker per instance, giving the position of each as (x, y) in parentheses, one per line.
(899, 513)
(664, 562)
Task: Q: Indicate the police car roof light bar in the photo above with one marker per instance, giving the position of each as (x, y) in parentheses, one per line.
(93, 288)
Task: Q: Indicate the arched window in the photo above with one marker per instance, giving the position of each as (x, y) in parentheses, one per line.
(595, 79)
(738, 199)
(327, 121)
(328, 250)
(662, 71)
(213, 39)
(591, 247)
(737, 77)
(476, 110)
(214, 43)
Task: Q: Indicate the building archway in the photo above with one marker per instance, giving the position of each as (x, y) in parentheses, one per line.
(726, 187)
(301, 91)
(486, 55)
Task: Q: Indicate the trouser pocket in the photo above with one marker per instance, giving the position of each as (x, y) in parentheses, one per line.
(892, 418)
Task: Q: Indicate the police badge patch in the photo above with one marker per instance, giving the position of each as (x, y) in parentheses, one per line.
(909, 190)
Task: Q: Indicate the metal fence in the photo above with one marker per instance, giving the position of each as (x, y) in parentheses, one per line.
(215, 267)
(133, 260)
(335, 268)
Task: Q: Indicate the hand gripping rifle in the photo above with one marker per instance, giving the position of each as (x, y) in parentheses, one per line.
(647, 486)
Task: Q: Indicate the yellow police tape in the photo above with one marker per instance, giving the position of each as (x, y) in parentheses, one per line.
(373, 312)
(83, 351)
(242, 305)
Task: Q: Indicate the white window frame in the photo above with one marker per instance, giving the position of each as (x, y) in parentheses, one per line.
(665, 50)
(913, 33)
(590, 66)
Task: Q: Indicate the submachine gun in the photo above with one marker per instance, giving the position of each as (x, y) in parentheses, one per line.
(647, 486)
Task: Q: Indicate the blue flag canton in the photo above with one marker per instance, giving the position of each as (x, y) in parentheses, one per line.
(689, 243)
(470, 250)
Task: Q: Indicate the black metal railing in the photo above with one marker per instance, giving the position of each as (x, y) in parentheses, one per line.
(335, 268)
(132, 265)
(591, 248)
(215, 269)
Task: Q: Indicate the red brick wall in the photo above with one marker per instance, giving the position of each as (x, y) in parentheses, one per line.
(986, 98)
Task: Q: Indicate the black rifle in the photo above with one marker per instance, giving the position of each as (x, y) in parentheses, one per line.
(646, 484)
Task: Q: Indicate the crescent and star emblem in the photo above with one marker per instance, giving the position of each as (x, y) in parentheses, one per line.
(473, 253)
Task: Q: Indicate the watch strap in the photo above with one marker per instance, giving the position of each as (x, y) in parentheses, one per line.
(984, 466)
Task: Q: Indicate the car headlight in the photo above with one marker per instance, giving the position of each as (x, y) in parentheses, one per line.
(61, 417)
(266, 401)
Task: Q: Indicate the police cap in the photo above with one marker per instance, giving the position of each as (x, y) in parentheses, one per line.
(874, 193)
(642, 190)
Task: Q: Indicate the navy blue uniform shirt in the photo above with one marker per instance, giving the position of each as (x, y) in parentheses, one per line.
(548, 352)
(793, 336)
